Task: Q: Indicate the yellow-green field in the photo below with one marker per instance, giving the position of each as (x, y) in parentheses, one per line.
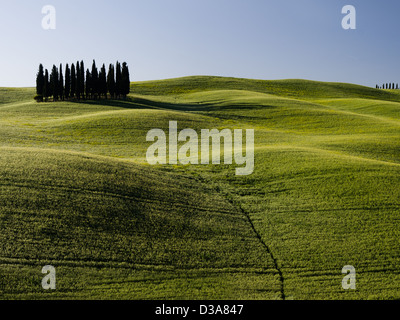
(77, 193)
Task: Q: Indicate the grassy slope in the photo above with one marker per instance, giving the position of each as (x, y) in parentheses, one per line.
(305, 89)
(324, 193)
(88, 212)
(14, 95)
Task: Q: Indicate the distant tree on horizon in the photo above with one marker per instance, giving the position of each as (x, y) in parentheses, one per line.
(46, 86)
(125, 81)
(82, 80)
(88, 87)
(111, 81)
(61, 84)
(54, 82)
(78, 77)
(73, 81)
(95, 80)
(103, 81)
(118, 76)
(40, 83)
(67, 88)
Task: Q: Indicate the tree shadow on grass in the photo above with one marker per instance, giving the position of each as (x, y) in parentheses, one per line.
(142, 103)
(128, 103)
(171, 106)
(200, 106)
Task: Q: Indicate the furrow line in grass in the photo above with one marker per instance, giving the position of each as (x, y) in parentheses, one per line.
(6, 261)
(112, 195)
(365, 115)
(15, 104)
(325, 151)
(276, 266)
(228, 198)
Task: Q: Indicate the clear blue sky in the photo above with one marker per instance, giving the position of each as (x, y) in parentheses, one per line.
(263, 39)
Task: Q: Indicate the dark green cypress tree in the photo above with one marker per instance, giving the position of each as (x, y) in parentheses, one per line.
(73, 81)
(82, 79)
(46, 86)
(50, 86)
(95, 80)
(54, 82)
(111, 81)
(67, 82)
(88, 86)
(103, 81)
(118, 80)
(99, 84)
(78, 86)
(40, 83)
(61, 84)
(126, 83)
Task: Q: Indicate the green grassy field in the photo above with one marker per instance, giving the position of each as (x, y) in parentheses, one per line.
(78, 194)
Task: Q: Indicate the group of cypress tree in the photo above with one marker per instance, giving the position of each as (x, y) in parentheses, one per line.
(388, 86)
(79, 85)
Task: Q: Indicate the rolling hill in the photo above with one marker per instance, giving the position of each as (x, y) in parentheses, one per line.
(77, 193)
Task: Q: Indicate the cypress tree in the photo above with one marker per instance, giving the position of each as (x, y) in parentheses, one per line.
(54, 82)
(40, 83)
(111, 81)
(82, 80)
(50, 86)
(103, 81)
(95, 80)
(99, 83)
(118, 80)
(46, 85)
(88, 85)
(78, 86)
(126, 83)
(73, 81)
(61, 84)
(67, 82)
